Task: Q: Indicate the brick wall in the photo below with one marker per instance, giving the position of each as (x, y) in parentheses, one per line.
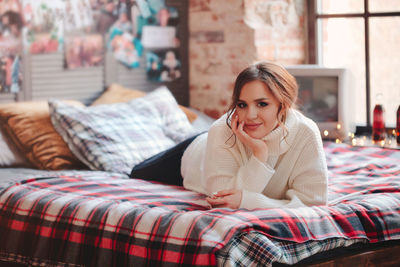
(226, 36)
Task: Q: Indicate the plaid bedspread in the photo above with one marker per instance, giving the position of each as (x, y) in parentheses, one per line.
(109, 221)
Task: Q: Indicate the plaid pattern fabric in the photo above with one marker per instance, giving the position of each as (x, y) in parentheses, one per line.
(21, 174)
(116, 137)
(95, 221)
(255, 249)
(373, 172)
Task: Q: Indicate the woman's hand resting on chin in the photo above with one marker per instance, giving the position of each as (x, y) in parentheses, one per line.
(258, 146)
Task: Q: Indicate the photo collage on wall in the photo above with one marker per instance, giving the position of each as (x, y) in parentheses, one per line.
(43, 26)
(115, 20)
(157, 26)
(84, 29)
(11, 24)
(83, 44)
(134, 26)
(63, 26)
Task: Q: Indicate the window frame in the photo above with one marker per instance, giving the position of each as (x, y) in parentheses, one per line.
(314, 54)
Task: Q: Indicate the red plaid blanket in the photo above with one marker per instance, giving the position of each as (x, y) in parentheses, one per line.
(103, 221)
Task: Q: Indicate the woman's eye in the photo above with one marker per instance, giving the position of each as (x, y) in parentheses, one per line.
(241, 105)
(262, 104)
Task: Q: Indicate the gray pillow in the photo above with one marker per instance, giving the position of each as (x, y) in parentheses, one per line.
(116, 137)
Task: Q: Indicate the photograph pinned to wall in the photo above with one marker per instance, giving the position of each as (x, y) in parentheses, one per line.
(11, 25)
(83, 51)
(156, 13)
(113, 20)
(11, 21)
(83, 44)
(43, 43)
(159, 37)
(10, 71)
(78, 16)
(44, 25)
(123, 21)
(125, 48)
(156, 24)
(105, 14)
(163, 66)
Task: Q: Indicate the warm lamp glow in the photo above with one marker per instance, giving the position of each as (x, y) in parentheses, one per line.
(354, 142)
(326, 132)
(338, 126)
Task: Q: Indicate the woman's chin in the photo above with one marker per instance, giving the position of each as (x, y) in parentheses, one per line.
(254, 134)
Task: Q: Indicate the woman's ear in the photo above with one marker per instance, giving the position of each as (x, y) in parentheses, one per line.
(281, 113)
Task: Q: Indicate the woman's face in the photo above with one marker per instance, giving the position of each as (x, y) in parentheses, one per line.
(258, 108)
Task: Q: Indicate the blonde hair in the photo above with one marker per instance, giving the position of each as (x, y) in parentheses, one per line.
(277, 79)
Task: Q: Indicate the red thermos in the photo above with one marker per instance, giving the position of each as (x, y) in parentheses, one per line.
(398, 126)
(378, 125)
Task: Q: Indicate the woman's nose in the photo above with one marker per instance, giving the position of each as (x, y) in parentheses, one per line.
(251, 112)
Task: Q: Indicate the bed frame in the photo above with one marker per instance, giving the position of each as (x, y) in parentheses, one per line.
(386, 254)
(381, 257)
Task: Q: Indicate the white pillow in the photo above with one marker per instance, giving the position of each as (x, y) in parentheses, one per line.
(116, 137)
(9, 155)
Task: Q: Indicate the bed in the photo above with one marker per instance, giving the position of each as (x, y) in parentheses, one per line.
(98, 216)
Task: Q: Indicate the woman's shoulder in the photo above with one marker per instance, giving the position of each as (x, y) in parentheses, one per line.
(220, 123)
(305, 125)
(220, 128)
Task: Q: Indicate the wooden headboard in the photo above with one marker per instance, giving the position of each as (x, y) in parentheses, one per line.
(44, 76)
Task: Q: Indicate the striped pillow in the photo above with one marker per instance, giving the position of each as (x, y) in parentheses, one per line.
(116, 137)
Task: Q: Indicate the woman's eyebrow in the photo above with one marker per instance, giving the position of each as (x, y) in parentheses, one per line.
(256, 100)
(261, 99)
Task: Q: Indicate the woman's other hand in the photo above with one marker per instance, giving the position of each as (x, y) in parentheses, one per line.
(257, 146)
(226, 199)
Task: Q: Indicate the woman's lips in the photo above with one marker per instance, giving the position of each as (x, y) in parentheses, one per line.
(252, 126)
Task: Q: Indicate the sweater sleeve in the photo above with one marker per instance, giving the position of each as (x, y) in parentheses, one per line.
(307, 185)
(227, 168)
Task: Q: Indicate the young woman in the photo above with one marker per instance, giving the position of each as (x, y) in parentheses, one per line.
(262, 153)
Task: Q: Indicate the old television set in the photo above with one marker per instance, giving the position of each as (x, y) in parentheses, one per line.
(324, 97)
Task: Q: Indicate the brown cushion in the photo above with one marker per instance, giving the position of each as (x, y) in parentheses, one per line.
(117, 93)
(28, 125)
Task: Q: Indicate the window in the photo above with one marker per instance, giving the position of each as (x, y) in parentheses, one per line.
(362, 36)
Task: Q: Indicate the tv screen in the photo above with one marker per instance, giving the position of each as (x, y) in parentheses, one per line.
(324, 97)
(318, 98)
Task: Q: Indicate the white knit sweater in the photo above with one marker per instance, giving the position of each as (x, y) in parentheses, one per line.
(294, 175)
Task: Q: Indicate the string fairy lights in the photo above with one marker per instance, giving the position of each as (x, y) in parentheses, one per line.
(364, 140)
